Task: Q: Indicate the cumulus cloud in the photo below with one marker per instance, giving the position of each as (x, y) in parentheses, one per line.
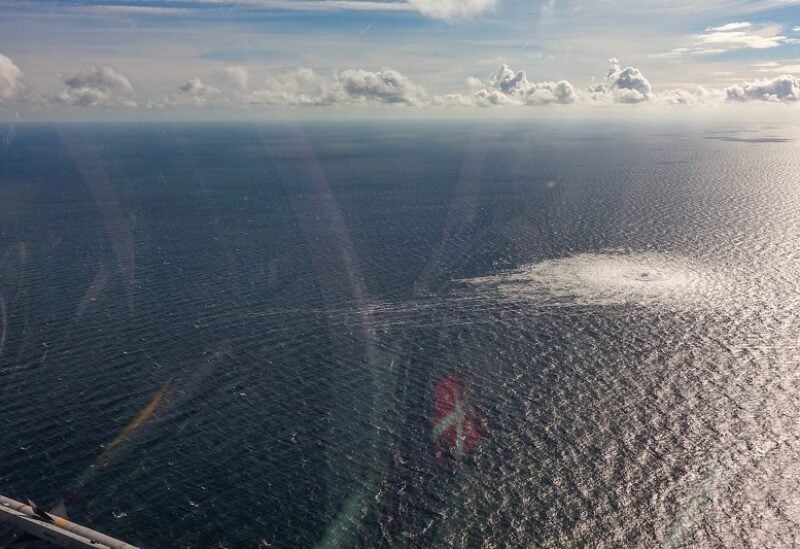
(237, 75)
(221, 87)
(195, 86)
(453, 100)
(452, 10)
(628, 85)
(196, 91)
(783, 89)
(304, 87)
(386, 86)
(685, 97)
(10, 78)
(96, 86)
(623, 85)
(507, 87)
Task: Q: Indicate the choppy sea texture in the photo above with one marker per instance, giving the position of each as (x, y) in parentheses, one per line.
(229, 335)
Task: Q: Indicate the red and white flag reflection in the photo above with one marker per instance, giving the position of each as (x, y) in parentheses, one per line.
(455, 427)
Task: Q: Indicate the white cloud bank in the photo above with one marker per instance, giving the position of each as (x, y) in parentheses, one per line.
(10, 78)
(97, 86)
(506, 87)
(232, 87)
(304, 87)
(783, 89)
(630, 86)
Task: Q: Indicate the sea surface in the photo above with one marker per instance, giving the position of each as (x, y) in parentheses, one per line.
(219, 335)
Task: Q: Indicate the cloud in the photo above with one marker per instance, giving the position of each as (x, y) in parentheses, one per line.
(506, 87)
(684, 97)
(733, 36)
(445, 10)
(226, 87)
(772, 66)
(310, 5)
(386, 86)
(196, 91)
(183, 7)
(304, 87)
(453, 100)
(231, 86)
(732, 40)
(731, 27)
(195, 86)
(452, 10)
(10, 78)
(112, 9)
(95, 86)
(629, 85)
(237, 75)
(626, 85)
(784, 88)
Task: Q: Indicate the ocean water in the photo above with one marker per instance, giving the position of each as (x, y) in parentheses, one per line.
(231, 335)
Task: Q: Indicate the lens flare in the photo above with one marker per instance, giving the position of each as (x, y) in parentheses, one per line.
(5, 324)
(136, 423)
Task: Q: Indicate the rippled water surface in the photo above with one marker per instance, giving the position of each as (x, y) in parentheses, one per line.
(230, 336)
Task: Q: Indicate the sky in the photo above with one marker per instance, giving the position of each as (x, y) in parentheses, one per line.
(106, 59)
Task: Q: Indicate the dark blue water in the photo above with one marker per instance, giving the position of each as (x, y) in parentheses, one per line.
(229, 335)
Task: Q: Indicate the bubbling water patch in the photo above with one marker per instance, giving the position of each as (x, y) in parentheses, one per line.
(612, 278)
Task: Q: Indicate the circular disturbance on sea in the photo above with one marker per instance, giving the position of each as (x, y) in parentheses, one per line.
(613, 278)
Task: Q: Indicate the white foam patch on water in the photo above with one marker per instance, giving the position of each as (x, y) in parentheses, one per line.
(610, 279)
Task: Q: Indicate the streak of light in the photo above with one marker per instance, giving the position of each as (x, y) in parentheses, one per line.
(136, 423)
(92, 170)
(125, 435)
(5, 324)
(93, 292)
(365, 29)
